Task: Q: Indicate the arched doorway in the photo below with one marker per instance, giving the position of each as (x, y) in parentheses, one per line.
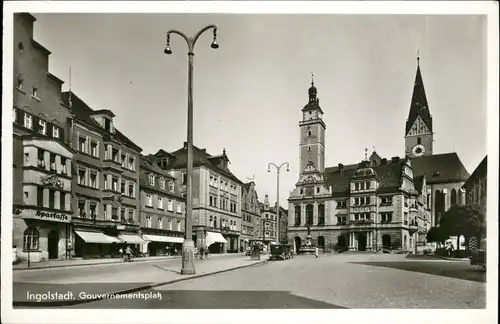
(321, 242)
(386, 241)
(215, 248)
(361, 242)
(53, 245)
(298, 244)
(341, 243)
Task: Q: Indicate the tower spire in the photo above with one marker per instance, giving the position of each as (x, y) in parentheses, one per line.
(418, 57)
(312, 78)
(419, 106)
(366, 154)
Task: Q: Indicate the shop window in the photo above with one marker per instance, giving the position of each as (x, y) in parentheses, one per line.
(31, 238)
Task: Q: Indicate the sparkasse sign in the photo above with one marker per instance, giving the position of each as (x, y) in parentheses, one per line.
(53, 216)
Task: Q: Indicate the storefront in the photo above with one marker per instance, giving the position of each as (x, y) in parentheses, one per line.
(215, 242)
(41, 235)
(162, 245)
(92, 243)
(131, 239)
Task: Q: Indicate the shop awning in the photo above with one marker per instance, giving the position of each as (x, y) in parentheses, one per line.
(131, 239)
(161, 238)
(215, 238)
(97, 237)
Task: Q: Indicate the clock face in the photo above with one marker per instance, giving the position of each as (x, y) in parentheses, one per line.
(418, 150)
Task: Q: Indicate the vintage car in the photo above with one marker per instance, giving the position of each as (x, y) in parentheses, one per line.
(280, 252)
(478, 257)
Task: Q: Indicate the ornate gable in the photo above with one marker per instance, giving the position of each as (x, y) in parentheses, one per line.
(418, 128)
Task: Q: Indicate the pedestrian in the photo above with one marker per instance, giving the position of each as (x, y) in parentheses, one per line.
(316, 252)
(202, 250)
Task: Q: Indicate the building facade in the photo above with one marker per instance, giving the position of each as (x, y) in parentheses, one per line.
(162, 210)
(250, 215)
(216, 197)
(377, 203)
(475, 187)
(106, 182)
(42, 160)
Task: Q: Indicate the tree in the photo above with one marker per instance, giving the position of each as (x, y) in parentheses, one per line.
(466, 220)
(436, 234)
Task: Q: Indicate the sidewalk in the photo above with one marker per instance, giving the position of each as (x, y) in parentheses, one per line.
(87, 262)
(25, 294)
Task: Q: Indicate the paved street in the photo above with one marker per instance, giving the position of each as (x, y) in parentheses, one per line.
(106, 278)
(331, 281)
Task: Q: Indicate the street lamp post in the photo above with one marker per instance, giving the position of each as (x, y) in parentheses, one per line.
(188, 246)
(278, 194)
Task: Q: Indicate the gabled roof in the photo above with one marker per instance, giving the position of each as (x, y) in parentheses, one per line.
(419, 106)
(389, 176)
(479, 172)
(83, 113)
(439, 168)
(200, 158)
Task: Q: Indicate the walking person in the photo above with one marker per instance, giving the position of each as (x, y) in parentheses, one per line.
(202, 250)
(316, 252)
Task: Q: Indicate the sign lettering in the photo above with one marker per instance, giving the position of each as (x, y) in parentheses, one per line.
(52, 216)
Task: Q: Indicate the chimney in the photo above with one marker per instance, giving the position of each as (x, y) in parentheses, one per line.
(384, 161)
(204, 150)
(341, 168)
(395, 159)
(185, 144)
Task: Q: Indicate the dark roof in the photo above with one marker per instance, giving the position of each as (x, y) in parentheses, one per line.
(313, 103)
(147, 164)
(419, 105)
(200, 158)
(419, 183)
(389, 176)
(439, 168)
(83, 112)
(480, 171)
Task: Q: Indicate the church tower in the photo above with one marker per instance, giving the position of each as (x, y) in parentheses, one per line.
(419, 136)
(312, 134)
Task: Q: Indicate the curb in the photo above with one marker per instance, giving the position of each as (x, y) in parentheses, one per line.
(451, 259)
(90, 264)
(125, 291)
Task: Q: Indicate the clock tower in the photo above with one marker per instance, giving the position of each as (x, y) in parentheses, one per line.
(419, 136)
(312, 134)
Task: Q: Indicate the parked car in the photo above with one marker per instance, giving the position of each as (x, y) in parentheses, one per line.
(478, 257)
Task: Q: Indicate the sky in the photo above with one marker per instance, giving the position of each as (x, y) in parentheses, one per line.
(248, 94)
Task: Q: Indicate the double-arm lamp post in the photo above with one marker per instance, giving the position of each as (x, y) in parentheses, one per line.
(188, 246)
(278, 195)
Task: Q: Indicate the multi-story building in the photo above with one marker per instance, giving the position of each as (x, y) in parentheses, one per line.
(106, 182)
(268, 226)
(475, 187)
(378, 202)
(269, 223)
(42, 161)
(250, 214)
(216, 197)
(162, 210)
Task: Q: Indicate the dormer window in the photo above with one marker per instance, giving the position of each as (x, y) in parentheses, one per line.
(55, 131)
(151, 179)
(42, 127)
(35, 92)
(162, 183)
(309, 133)
(107, 124)
(171, 186)
(28, 121)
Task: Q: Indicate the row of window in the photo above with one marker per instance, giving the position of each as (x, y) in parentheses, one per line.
(20, 86)
(37, 124)
(362, 186)
(159, 224)
(247, 230)
(161, 182)
(90, 209)
(223, 223)
(88, 146)
(56, 199)
(225, 204)
(126, 160)
(160, 204)
(49, 164)
(88, 177)
(223, 185)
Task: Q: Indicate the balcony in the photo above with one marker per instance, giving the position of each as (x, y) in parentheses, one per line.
(361, 222)
(413, 227)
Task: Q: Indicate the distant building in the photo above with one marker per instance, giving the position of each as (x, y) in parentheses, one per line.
(250, 214)
(216, 196)
(376, 203)
(162, 210)
(475, 187)
(105, 184)
(42, 160)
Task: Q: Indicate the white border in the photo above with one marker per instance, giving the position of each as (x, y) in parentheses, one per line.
(489, 8)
